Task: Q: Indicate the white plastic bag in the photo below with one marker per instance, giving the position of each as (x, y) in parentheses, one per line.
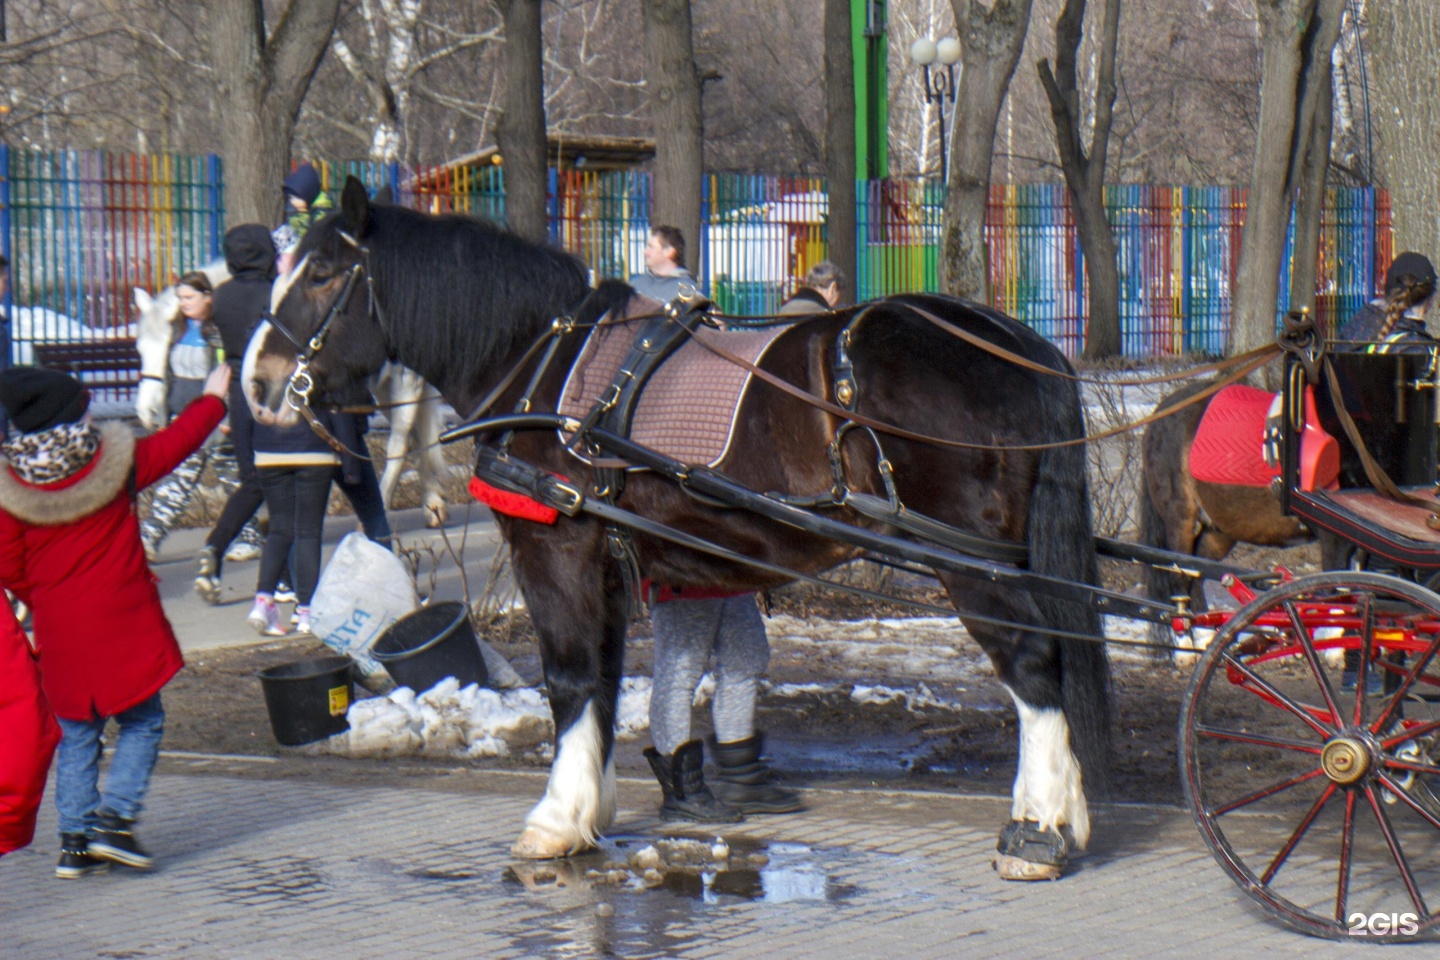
(363, 589)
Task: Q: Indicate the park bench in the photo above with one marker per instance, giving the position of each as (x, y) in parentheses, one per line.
(105, 362)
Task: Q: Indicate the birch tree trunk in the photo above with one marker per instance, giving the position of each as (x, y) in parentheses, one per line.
(990, 39)
(674, 89)
(521, 131)
(840, 140)
(263, 78)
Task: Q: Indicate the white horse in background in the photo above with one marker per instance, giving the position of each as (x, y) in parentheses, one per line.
(411, 405)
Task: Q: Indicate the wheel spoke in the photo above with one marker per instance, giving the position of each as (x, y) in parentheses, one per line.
(1382, 721)
(1259, 739)
(1406, 876)
(1264, 792)
(1298, 835)
(1419, 730)
(1404, 795)
(1362, 673)
(1307, 645)
(1347, 844)
(1395, 763)
(1269, 693)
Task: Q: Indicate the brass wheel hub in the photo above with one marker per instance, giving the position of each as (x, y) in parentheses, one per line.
(1345, 760)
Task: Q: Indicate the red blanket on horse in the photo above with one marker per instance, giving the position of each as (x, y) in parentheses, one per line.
(1229, 445)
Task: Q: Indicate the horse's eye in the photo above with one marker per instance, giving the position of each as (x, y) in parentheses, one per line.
(319, 276)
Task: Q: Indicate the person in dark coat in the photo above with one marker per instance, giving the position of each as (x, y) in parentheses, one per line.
(821, 291)
(70, 549)
(236, 309)
(30, 736)
(1400, 313)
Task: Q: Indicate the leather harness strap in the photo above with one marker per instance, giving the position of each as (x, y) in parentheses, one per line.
(1257, 359)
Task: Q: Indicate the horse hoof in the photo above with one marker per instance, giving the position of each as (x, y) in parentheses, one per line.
(536, 844)
(435, 517)
(1013, 868)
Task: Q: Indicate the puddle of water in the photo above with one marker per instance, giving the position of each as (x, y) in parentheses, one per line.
(730, 872)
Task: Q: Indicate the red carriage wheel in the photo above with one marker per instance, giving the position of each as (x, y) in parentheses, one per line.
(1310, 755)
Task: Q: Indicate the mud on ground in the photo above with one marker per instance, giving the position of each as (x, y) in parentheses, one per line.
(962, 737)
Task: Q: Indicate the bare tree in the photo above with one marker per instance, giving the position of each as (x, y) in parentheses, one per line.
(840, 136)
(990, 39)
(1085, 171)
(674, 88)
(1406, 93)
(521, 133)
(263, 78)
(392, 54)
(1295, 58)
(1310, 161)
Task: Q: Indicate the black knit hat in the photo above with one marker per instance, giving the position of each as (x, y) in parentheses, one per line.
(37, 399)
(1409, 264)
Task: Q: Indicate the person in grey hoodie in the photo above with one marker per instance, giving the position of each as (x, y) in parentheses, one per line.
(665, 272)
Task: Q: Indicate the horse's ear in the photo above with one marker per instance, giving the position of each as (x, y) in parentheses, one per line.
(355, 207)
(143, 300)
(384, 195)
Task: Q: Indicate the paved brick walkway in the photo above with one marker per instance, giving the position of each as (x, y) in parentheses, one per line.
(287, 859)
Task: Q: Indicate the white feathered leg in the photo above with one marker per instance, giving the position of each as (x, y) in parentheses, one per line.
(1048, 787)
(579, 801)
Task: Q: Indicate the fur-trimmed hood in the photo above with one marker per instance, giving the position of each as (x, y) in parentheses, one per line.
(52, 507)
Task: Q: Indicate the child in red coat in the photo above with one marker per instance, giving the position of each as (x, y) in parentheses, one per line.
(70, 549)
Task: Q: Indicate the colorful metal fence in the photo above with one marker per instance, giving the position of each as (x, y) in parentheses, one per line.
(83, 228)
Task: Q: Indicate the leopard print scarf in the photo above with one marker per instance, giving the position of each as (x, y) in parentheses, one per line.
(48, 456)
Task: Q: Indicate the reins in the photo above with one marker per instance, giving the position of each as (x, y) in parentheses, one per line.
(1250, 362)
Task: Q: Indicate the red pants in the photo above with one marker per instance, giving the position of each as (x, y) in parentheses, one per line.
(30, 735)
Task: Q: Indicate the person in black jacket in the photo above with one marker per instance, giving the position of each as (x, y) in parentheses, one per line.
(238, 305)
(1400, 314)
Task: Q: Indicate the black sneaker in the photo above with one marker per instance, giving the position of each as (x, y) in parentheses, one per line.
(76, 860)
(115, 840)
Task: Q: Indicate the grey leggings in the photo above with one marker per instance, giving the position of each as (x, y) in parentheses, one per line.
(686, 633)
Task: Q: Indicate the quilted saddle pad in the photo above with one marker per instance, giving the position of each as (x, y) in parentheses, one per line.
(1229, 445)
(688, 408)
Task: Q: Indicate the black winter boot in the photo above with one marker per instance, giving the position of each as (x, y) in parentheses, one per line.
(746, 783)
(115, 841)
(683, 783)
(76, 860)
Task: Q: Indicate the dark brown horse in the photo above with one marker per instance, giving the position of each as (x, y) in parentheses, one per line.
(460, 301)
(1180, 513)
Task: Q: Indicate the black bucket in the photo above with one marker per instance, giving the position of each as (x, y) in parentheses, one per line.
(423, 648)
(307, 699)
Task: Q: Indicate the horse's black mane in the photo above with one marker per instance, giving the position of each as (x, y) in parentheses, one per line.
(465, 287)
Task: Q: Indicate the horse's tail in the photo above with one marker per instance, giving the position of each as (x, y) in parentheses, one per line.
(1062, 545)
(1159, 584)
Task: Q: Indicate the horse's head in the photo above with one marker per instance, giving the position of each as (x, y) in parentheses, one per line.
(325, 320)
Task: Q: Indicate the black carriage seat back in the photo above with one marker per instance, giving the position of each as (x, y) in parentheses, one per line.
(1397, 423)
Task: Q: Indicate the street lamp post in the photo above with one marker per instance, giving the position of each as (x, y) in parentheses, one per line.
(939, 84)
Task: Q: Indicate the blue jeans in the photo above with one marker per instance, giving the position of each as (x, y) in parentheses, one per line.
(77, 766)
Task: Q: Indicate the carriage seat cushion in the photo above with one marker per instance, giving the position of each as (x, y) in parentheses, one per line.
(688, 408)
(1229, 445)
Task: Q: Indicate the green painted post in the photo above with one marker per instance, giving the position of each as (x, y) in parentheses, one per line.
(867, 30)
